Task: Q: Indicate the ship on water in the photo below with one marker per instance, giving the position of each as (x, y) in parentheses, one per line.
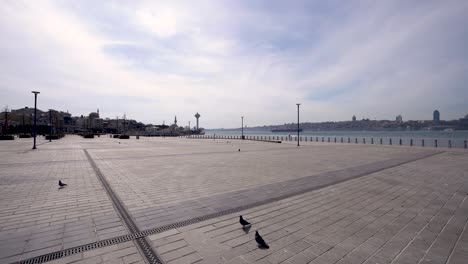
(288, 130)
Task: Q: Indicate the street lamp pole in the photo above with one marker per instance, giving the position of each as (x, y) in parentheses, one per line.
(242, 128)
(298, 124)
(35, 117)
(50, 125)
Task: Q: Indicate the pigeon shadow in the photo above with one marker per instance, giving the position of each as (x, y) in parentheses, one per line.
(262, 247)
(247, 228)
(61, 187)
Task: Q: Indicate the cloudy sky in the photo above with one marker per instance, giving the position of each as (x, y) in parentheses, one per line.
(156, 59)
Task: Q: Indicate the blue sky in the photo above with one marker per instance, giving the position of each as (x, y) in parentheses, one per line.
(224, 59)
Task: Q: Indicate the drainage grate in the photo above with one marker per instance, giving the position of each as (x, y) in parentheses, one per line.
(75, 250)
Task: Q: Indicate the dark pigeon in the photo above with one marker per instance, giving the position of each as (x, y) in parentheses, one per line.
(239, 149)
(261, 243)
(243, 222)
(61, 184)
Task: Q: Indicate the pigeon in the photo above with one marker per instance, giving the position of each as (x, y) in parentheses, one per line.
(61, 184)
(261, 243)
(239, 149)
(243, 222)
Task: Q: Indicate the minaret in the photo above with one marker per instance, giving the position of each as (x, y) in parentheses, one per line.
(175, 120)
(98, 112)
(197, 115)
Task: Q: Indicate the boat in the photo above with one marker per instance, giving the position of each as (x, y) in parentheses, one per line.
(288, 130)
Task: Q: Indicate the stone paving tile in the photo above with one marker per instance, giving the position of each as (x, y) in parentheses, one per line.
(415, 211)
(355, 221)
(36, 217)
(228, 179)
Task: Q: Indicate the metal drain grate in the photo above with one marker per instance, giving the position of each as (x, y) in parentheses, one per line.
(75, 250)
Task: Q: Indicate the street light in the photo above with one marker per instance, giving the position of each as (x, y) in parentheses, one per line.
(35, 116)
(298, 124)
(242, 128)
(50, 125)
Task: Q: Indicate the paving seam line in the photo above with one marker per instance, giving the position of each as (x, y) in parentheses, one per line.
(140, 236)
(144, 246)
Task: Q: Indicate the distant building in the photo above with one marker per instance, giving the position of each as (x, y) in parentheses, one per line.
(463, 122)
(399, 119)
(436, 117)
(354, 118)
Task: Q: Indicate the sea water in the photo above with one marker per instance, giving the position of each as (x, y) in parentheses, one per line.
(429, 138)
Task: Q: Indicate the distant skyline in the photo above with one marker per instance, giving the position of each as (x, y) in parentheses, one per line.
(225, 59)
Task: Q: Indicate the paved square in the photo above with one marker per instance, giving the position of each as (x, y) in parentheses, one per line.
(319, 203)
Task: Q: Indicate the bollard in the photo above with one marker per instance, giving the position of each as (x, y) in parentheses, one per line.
(349, 140)
(316, 139)
(435, 143)
(450, 143)
(381, 141)
(323, 139)
(422, 142)
(390, 141)
(400, 142)
(372, 140)
(411, 142)
(364, 140)
(335, 139)
(328, 139)
(465, 145)
(341, 139)
(355, 141)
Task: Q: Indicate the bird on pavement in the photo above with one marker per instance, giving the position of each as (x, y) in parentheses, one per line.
(243, 222)
(261, 243)
(61, 184)
(239, 149)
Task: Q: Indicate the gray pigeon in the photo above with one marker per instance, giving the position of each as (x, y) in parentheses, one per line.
(261, 243)
(243, 222)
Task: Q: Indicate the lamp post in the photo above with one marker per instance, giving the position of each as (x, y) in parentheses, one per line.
(35, 117)
(50, 125)
(242, 128)
(298, 124)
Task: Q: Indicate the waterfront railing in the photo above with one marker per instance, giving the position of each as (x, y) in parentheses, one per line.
(421, 142)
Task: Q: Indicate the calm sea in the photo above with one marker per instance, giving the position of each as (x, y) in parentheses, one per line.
(444, 138)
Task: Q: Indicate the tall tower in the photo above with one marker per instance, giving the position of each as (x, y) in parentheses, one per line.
(197, 115)
(436, 117)
(175, 120)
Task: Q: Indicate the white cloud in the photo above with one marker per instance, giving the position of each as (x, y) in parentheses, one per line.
(225, 61)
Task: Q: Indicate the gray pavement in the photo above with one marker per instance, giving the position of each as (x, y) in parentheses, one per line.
(319, 203)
